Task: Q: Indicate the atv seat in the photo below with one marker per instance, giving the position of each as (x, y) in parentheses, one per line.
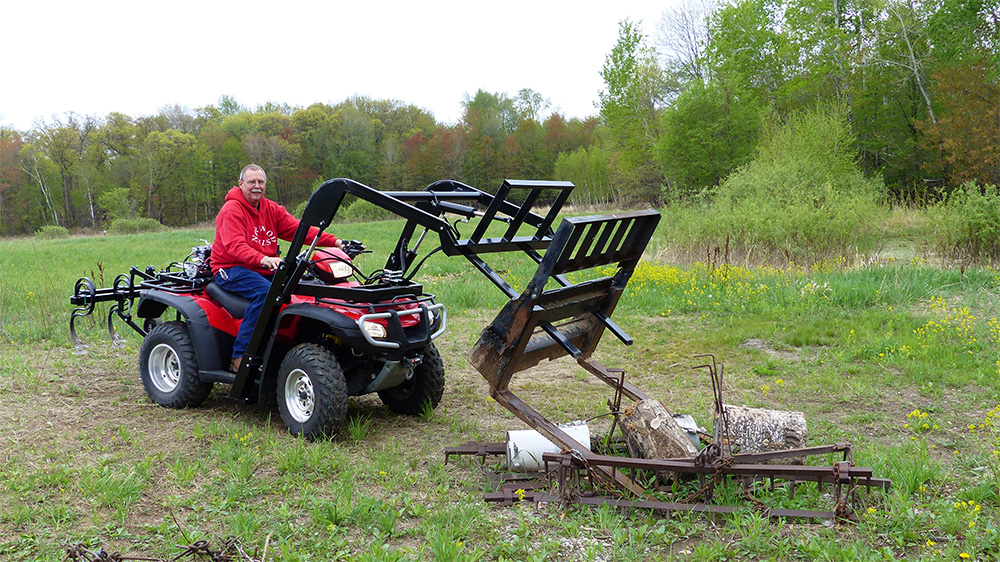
(234, 304)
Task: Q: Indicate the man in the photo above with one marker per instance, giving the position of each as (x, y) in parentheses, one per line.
(245, 250)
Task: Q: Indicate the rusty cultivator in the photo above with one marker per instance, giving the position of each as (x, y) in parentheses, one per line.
(554, 317)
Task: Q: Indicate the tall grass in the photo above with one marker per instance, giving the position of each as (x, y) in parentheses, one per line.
(967, 225)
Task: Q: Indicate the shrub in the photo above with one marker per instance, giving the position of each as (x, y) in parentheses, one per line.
(360, 210)
(50, 231)
(299, 209)
(801, 199)
(967, 224)
(117, 203)
(707, 134)
(134, 226)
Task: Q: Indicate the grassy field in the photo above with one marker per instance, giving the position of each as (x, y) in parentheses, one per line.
(897, 357)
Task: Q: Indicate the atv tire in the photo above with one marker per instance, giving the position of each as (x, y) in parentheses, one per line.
(426, 386)
(169, 368)
(312, 392)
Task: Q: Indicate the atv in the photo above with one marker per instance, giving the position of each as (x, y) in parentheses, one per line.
(337, 337)
(327, 331)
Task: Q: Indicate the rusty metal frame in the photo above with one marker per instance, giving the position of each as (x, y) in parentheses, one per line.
(581, 477)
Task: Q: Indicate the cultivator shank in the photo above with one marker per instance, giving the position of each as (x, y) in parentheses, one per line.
(122, 294)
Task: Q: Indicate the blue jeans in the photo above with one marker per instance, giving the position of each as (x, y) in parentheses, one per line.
(250, 285)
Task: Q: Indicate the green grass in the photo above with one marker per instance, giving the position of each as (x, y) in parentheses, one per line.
(870, 354)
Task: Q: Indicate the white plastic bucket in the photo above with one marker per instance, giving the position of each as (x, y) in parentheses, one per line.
(526, 447)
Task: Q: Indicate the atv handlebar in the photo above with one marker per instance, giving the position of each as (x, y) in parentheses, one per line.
(354, 248)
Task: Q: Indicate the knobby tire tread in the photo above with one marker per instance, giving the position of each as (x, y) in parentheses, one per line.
(190, 391)
(329, 385)
(426, 386)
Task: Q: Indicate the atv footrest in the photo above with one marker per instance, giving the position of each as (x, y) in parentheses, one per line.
(225, 377)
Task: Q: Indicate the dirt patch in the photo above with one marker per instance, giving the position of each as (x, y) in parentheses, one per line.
(768, 349)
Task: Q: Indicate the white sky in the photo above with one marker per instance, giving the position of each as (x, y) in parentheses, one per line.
(136, 57)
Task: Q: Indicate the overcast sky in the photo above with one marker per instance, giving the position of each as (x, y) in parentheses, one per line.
(137, 57)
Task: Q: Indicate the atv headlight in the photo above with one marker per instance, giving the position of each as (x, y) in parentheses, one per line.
(375, 329)
(341, 270)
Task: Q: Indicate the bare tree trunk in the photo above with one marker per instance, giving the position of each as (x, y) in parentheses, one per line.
(90, 202)
(914, 66)
(37, 175)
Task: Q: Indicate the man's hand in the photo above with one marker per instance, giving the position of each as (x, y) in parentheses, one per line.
(270, 262)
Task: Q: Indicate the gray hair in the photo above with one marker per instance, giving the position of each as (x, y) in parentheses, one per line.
(252, 167)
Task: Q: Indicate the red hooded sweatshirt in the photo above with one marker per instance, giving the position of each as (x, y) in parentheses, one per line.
(244, 235)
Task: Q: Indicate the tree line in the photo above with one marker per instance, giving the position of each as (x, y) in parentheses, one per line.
(176, 166)
(679, 113)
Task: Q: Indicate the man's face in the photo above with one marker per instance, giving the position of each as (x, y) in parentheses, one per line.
(252, 186)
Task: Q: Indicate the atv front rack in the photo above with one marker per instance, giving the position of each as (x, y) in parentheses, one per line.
(361, 293)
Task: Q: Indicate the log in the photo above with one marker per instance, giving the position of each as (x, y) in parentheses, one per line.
(654, 433)
(759, 430)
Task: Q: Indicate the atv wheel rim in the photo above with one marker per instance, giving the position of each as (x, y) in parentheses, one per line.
(300, 397)
(164, 368)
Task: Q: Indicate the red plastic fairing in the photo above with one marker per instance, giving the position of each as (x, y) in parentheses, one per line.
(221, 319)
(218, 317)
(324, 265)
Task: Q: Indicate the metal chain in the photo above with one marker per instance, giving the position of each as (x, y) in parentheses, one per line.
(230, 551)
(757, 505)
(710, 482)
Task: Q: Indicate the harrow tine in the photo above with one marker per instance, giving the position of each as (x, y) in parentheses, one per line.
(86, 291)
(79, 348)
(117, 342)
(123, 287)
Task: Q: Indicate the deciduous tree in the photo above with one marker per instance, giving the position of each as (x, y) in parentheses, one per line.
(968, 133)
(634, 90)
